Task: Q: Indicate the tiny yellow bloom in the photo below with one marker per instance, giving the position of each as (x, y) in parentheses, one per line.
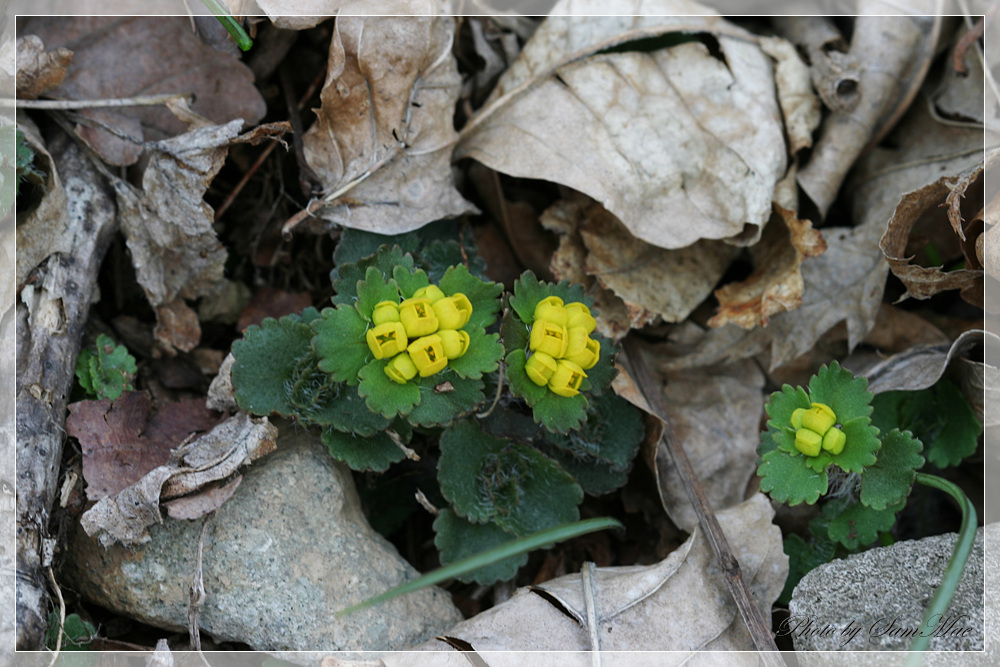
(401, 368)
(418, 317)
(834, 441)
(567, 378)
(432, 293)
(808, 442)
(579, 316)
(428, 355)
(454, 343)
(819, 418)
(797, 418)
(540, 367)
(385, 311)
(586, 358)
(551, 309)
(453, 312)
(549, 338)
(386, 340)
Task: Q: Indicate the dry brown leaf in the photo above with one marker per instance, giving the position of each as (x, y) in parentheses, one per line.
(679, 604)
(680, 144)
(125, 56)
(125, 516)
(169, 229)
(381, 144)
(271, 302)
(209, 499)
(799, 104)
(925, 207)
(776, 284)
(39, 70)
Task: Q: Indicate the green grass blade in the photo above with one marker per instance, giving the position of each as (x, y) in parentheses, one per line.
(230, 24)
(512, 548)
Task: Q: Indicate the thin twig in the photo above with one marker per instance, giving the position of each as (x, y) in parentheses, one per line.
(759, 627)
(496, 397)
(590, 603)
(64, 105)
(62, 616)
(196, 594)
(410, 454)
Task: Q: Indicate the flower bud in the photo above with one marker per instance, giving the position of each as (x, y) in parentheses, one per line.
(808, 442)
(579, 316)
(453, 312)
(385, 311)
(549, 338)
(588, 357)
(567, 378)
(386, 340)
(797, 418)
(540, 367)
(819, 418)
(427, 354)
(453, 343)
(834, 441)
(418, 317)
(551, 309)
(401, 368)
(432, 293)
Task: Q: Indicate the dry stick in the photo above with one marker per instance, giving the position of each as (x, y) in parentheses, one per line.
(196, 594)
(62, 616)
(64, 105)
(760, 629)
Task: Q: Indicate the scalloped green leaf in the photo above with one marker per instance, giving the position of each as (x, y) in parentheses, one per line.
(441, 254)
(558, 414)
(519, 382)
(858, 525)
(443, 398)
(788, 479)
(348, 412)
(513, 332)
(457, 538)
(483, 356)
(340, 344)
(767, 442)
(528, 291)
(782, 404)
(409, 281)
(266, 358)
(489, 479)
(846, 395)
(889, 480)
(346, 277)
(484, 296)
(375, 453)
(383, 395)
(861, 447)
(375, 288)
(355, 245)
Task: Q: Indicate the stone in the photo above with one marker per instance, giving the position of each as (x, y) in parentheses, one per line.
(288, 551)
(875, 601)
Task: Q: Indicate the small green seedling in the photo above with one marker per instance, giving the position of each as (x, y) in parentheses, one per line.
(76, 633)
(107, 371)
(830, 441)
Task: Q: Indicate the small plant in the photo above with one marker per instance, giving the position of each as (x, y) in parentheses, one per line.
(76, 633)
(409, 353)
(107, 371)
(863, 456)
(21, 161)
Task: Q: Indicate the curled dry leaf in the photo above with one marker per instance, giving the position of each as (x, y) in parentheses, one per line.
(680, 143)
(382, 141)
(169, 229)
(39, 70)
(125, 516)
(679, 604)
(799, 104)
(834, 72)
(163, 56)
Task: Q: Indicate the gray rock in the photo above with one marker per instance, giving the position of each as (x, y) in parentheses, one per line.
(875, 601)
(283, 555)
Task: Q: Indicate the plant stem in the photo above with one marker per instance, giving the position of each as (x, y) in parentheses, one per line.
(953, 573)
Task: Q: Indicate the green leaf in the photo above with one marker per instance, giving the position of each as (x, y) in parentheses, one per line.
(373, 289)
(443, 398)
(376, 453)
(409, 281)
(514, 332)
(441, 254)
(558, 414)
(355, 245)
(348, 412)
(528, 291)
(939, 416)
(483, 356)
(508, 550)
(340, 344)
(266, 359)
(803, 557)
(457, 539)
(782, 404)
(519, 382)
(383, 395)
(76, 633)
(889, 480)
(488, 479)
(861, 447)
(83, 373)
(788, 479)
(484, 296)
(858, 525)
(846, 395)
(600, 376)
(346, 277)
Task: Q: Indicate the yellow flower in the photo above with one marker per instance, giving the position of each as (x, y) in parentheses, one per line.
(808, 442)
(578, 315)
(428, 355)
(454, 343)
(453, 312)
(386, 340)
(587, 357)
(815, 429)
(567, 378)
(548, 337)
(551, 309)
(418, 317)
(834, 441)
(540, 367)
(385, 311)
(819, 418)
(432, 293)
(401, 368)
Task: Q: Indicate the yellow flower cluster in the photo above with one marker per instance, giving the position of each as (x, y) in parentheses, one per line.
(420, 334)
(815, 430)
(561, 346)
